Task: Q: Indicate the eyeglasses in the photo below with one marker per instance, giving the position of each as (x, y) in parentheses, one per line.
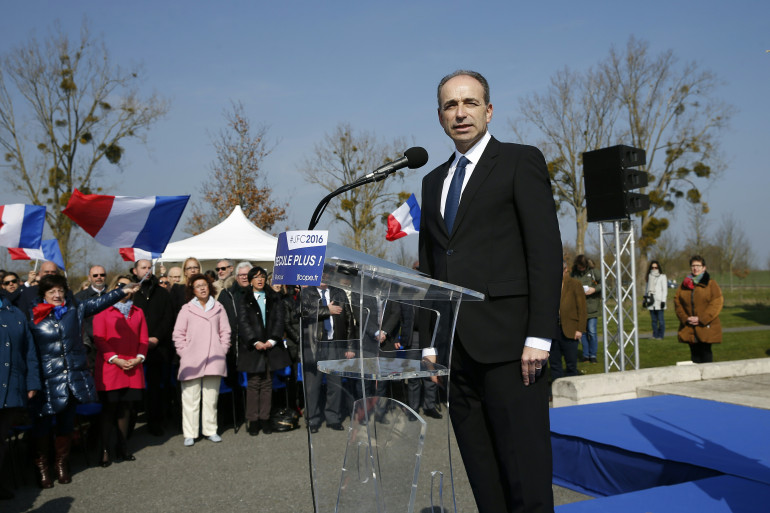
(100, 275)
(165, 282)
(696, 266)
(654, 267)
(8, 282)
(222, 268)
(192, 268)
(120, 285)
(243, 275)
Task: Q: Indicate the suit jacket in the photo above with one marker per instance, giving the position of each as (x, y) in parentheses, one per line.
(313, 315)
(573, 312)
(88, 323)
(505, 243)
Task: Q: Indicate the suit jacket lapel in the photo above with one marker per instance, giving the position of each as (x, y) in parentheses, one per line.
(436, 187)
(480, 173)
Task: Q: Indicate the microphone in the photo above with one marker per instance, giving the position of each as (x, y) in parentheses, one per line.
(413, 158)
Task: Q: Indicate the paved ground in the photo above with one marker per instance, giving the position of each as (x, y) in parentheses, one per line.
(267, 473)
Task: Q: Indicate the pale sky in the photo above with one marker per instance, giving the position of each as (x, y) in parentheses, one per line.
(303, 67)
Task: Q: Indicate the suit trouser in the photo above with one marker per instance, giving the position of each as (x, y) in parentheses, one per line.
(259, 395)
(503, 432)
(193, 390)
(332, 409)
(421, 392)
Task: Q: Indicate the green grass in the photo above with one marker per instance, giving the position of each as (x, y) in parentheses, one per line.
(661, 353)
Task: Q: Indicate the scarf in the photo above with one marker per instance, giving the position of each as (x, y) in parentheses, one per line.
(42, 310)
(691, 281)
(124, 308)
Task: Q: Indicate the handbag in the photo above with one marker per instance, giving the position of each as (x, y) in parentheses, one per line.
(647, 300)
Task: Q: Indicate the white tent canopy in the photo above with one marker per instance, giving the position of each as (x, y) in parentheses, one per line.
(235, 238)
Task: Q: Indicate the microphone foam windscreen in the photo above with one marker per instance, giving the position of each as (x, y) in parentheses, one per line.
(416, 156)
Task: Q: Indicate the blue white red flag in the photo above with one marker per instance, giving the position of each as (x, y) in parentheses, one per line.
(135, 254)
(405, 220)
(49, 250)
(21, 226)
(124, 221)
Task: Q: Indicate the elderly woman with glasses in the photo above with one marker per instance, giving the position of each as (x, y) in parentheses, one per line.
(202, 338)
(657, 286)
(57, 327)
(698, 302)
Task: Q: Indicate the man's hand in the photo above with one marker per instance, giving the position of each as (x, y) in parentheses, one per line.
(130, 288)
(532, 362)
(335, 309)
(152, 342)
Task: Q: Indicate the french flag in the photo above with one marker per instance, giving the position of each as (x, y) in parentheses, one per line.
(124, 221)
(21, 226)
(135, 254)
(405, 220)
(49, 250)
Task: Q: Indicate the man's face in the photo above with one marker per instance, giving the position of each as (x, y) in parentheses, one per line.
(224, 269)
(97, 275)
(48, 268)
(141, 268)
(462, 111)
(175, 275)
(243, 276)
(258, 282)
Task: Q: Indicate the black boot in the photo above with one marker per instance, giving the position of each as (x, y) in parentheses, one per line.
(41, 463)
(267, 427)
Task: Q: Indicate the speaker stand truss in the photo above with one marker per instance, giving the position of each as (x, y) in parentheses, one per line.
(619, 314)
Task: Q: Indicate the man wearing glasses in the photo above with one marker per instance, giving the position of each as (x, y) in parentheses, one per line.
(225, 279)
(97, 276)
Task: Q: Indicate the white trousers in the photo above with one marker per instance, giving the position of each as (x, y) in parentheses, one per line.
(192, 390)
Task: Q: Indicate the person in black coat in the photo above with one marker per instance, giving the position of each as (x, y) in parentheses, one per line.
(156, 305)
(329, 329)
(261, 349)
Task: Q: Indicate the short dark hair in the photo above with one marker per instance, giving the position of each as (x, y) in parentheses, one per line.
(698, 258)
(50, 281)
(190, 286)
(580, 261)
(255, 271)
(468, 73)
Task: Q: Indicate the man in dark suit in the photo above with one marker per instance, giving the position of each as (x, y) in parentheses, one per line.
(489, 224)
(97, 277)
(328, 321)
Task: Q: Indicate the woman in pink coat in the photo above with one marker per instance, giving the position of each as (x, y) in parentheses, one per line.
(120, 335)
(202, 337)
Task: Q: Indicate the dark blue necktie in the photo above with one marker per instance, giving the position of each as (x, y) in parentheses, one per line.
(327, 321)
(453, 196)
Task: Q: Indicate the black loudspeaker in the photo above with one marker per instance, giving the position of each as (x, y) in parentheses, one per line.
(609, 180)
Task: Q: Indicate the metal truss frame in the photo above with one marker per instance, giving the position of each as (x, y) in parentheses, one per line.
(618, 263)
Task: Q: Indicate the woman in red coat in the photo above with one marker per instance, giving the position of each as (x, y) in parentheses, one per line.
(120, 335)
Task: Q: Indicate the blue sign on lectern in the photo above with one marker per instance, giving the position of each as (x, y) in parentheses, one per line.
(299, 258)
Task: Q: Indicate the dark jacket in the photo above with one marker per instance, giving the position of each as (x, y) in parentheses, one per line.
(291, 315)
(63, 355)
(589, 278)
(313, 315)
(19, 368)
(88, 324)
(155, 302)
(253, 328)
(230, 297)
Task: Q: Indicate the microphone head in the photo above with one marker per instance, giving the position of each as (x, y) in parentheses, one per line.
(416, 156)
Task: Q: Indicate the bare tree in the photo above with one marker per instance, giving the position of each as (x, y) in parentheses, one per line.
(237, 177)
(634, 98)
(734, 248)
(65, 109)
(698, 228)
(575, 114)
(340, 158)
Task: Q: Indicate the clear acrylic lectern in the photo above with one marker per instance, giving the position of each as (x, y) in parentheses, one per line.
(379, 462)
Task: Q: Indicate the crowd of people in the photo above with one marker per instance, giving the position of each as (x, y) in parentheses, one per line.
(160, 344)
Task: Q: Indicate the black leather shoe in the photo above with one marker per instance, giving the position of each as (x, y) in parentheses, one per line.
(106, 461)
(267, 427)
(313, 429)
(593, 359)
(336, 426)
(253, 428)
(432, 414)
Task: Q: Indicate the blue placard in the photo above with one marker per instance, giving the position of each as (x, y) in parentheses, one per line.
(299, 258)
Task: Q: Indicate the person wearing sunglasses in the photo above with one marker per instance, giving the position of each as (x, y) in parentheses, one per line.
(97, 278)
(225, 278)
(657, 286)
(11, 287)
(164, 282)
